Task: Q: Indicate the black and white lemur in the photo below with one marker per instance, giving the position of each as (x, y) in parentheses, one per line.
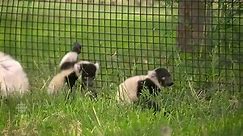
(87, 70)
(12, 76)
(66, 66)
(71, 70)
(132, 88)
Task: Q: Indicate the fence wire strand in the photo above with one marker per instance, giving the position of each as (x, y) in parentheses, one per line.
(198, 41)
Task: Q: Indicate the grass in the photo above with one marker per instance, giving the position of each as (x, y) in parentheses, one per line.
(188, 115)
(39, 33)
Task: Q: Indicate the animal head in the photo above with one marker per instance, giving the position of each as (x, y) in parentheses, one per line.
(76, 47)
(161, 76)
(88, 72)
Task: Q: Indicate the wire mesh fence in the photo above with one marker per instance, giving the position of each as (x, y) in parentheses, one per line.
(200, 42)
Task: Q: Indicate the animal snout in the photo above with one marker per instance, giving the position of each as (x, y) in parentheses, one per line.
(88, 83)
(170, 84)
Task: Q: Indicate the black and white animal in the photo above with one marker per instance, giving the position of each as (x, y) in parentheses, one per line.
(12, 76)
(87, 70)
(132, 88)
(71, 57)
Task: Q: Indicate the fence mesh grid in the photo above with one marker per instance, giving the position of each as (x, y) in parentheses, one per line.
(200, 42)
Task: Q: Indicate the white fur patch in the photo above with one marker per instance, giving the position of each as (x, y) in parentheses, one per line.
(77, 69)
(97, 67)
(84, 62)
(69, 57)
(127, 91)
(152, 76)
(12, 76)
(58, 81)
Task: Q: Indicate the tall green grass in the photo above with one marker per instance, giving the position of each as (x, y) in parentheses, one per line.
(37, 113)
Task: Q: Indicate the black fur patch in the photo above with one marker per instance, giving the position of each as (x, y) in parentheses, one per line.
(76, 47)
(71, 79)
(88, 70)
(147, 84)
(160, 73)
(147, 102)
(67, 65)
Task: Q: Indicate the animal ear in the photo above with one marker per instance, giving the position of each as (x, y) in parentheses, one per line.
(151, 73)
(97, 66)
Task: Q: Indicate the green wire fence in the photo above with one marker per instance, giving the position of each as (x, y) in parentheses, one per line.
(199, 41)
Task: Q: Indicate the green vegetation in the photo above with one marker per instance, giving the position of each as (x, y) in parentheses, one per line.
(37, 113)
(125, 42)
